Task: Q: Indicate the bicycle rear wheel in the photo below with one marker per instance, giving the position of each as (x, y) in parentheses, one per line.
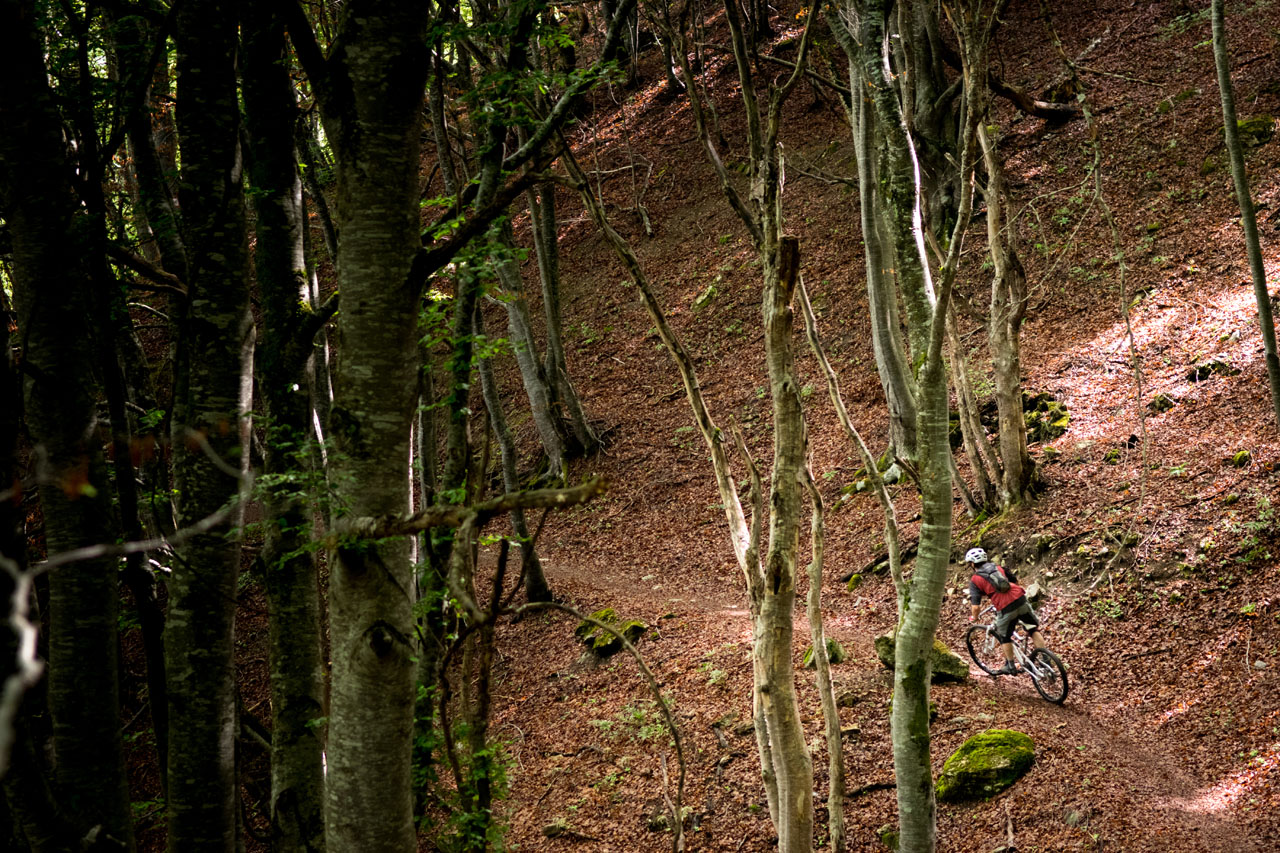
(1049, 676)
(984, 648)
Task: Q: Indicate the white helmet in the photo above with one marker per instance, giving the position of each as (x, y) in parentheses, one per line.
(977, 556)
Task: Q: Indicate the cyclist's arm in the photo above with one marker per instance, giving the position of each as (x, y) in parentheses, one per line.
(975, 601)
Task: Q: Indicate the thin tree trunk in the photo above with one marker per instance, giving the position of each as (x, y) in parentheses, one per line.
(537, 384)
(546, 241)
(535, 580)
(983, 461)
(826, 695)
(1248, 217)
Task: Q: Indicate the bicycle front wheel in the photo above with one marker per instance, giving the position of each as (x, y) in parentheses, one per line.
(1049, 675)
(984, 648)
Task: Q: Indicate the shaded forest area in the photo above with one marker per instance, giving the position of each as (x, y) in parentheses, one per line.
(383, 379)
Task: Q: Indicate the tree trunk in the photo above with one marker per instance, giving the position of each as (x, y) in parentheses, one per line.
(293, 593)
(1248, 218)
(211, 397)
(537, 386)
(52, 296)
(535, 580)
(371, 93)
(822, 663)
(546, 243)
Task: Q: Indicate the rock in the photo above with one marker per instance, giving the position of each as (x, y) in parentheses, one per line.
(1256, 131)
(985, 765)
(850, 731)
(1211, 164)
(1214, 367)
(1242, 459)
(847, 699)
(1259, 664)
(1112, 456)
(947, 665)
(959, 721)
(745, 727)
(1231, 499)
(1161, 403)
(707, 296)
(861, 486)
(1035, 593)
(1050, 454)
(603, 643)
(835, 654)
(892, 475)
(855, 581)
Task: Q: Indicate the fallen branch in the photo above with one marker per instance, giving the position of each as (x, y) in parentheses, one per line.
(1147, 654)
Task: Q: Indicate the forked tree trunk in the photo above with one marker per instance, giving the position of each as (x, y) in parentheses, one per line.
(565, 394)
(1004, 330)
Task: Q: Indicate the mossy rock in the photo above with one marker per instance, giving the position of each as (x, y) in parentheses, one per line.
(1256, 130)
(1214, 367)
(1112, 456)
(947, 665)
(985, 765)
(603, 643)
(1046, 417)
(1241, 459)
(1211, 164)
(855, 581)
(1162, 403)
(706, 297)
(835, 654)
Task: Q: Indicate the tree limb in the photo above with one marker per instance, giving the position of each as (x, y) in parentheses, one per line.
(165, 282)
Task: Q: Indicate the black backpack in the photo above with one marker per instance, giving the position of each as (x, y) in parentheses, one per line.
(994, 575)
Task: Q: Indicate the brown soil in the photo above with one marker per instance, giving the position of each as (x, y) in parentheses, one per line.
(1170, 739)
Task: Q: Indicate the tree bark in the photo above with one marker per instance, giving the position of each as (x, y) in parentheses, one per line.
(371, 89)
(211, 399)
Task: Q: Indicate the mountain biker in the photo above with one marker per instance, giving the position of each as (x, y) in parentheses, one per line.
(1010, 603)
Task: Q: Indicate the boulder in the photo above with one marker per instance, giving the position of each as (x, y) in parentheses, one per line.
(1213, 367)
(947, 665)
(985, 765)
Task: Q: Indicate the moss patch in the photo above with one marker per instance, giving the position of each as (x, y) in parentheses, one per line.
(985, 765)
(835, 654)
(603, 643)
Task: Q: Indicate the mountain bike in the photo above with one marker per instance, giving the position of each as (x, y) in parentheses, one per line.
(1046, 669)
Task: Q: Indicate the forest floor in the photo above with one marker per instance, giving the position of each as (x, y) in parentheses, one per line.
(1161, 559)
(1170, 739)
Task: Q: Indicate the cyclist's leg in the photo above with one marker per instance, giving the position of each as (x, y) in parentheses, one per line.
(1004, 627)
(1031, 623)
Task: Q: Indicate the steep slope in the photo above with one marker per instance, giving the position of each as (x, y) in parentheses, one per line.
(1161, 563)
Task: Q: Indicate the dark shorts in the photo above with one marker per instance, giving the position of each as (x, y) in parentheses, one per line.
(1006, 622)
